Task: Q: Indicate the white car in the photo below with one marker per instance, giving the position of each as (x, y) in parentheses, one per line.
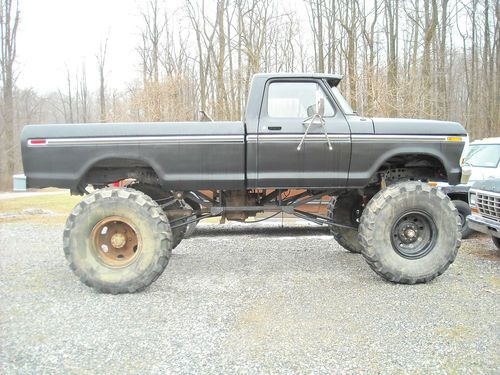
(484, 198)
(483, 159)
(480, 161)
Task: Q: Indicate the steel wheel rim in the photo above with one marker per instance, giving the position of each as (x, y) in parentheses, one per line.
(116, 241)
(413, 234)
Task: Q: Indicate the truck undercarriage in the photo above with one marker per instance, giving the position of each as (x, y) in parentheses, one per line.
(239, 205)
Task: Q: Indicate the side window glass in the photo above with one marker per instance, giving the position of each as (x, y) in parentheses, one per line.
(295, 100)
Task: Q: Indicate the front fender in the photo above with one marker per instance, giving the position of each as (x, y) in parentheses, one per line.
(370, 153)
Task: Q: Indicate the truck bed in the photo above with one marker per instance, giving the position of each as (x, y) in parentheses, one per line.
(184, 155)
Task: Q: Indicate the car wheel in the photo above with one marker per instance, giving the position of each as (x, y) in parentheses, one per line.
(117, 240)
(410, 233)
(463, 211)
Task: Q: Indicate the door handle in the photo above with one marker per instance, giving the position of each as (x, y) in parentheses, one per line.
(274, 127)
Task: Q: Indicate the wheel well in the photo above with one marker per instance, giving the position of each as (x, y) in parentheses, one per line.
(459, 197)
(428, 166)
(107, 171)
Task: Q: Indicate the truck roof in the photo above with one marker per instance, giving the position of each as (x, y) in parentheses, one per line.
(336, 78)
(486, 141)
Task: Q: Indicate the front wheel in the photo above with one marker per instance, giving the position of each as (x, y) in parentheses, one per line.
(410, 233)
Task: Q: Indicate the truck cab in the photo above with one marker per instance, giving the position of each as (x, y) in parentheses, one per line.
(278, 110)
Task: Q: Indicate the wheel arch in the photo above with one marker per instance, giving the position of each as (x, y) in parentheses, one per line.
(109, 168)
(411, 158)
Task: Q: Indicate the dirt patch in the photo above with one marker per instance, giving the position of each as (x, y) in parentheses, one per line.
(458, 332)
(486, 254)
(481, 246)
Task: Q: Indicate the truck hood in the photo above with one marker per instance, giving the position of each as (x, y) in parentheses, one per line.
(412, 126)
(492, 185)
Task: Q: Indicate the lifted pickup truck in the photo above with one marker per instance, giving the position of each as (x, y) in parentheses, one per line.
(298, 132)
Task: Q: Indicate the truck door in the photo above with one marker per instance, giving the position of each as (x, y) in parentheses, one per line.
(286, 105)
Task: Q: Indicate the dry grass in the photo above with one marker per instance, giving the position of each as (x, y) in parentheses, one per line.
(60, 204)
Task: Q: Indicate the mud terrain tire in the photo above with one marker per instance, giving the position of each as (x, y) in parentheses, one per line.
(463, 211)
(117, 208)
(410, 233)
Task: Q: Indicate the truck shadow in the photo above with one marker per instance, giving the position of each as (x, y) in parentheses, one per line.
(267, 231)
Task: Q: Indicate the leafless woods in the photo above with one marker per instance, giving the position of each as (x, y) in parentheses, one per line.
(408, 58)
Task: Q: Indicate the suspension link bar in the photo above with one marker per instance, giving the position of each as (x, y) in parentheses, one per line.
(182, 217)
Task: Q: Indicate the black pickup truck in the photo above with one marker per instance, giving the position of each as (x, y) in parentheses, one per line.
(299, 140)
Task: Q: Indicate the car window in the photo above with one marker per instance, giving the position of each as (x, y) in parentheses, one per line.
(295, 100)
(485, 156)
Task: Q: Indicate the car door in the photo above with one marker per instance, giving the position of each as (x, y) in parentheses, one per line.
(286, 105)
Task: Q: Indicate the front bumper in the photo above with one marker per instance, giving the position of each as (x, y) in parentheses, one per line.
(484, 225)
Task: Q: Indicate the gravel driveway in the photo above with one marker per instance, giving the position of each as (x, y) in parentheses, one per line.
(253, 300)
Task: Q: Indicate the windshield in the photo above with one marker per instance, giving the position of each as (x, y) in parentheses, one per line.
(346, 108)
(484, 156)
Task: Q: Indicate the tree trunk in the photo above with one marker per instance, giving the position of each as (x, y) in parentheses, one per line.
(431, 15)
(9, 20)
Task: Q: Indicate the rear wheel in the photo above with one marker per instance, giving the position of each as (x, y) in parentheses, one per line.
(346, 209)
(410, 233)
(463, 211)
(117, 240)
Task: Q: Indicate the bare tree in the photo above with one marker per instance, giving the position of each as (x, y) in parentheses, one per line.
(392, 31)
(431, 22)
(152, 33)
(101, 63)
(316, 14)
(71, 118)
(9, 21)
(83, 103)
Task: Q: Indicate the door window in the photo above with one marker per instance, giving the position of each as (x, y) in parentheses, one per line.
(295, 100)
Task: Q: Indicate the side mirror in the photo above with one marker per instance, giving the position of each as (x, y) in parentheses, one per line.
(316, 119)
(311, 110)
(320, 104)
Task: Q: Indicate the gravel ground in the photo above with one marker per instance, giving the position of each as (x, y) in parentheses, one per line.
(254, 300)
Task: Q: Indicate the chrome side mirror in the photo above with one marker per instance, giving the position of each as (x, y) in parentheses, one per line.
(316, 119)
(320, 104)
